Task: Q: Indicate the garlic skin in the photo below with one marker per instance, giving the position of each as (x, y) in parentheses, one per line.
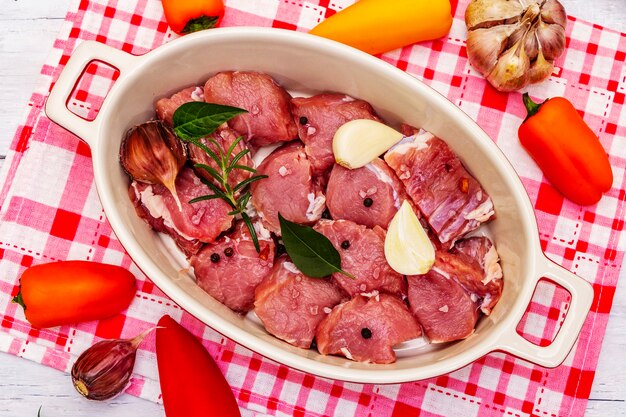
(513, 43)
(103, 371)
(151, 153)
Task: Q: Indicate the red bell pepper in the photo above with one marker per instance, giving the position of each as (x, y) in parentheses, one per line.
(566, 149)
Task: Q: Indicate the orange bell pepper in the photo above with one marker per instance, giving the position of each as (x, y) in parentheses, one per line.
(69, 292)
(566, 149)
(377, 26)
(186, 16)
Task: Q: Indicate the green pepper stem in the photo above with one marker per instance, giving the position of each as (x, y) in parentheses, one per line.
(19, 300)
(531, 107)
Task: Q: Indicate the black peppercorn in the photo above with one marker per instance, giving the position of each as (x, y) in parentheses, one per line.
(326, 214)
(229, 252)
(215, 258)
(366, 333)
(368, 202)
(345, 244)
(304, 120)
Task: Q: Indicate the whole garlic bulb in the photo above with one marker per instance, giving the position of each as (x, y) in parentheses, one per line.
(513, 43)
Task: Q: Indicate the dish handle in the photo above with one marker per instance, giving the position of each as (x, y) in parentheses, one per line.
(56, 104)
(555, 353)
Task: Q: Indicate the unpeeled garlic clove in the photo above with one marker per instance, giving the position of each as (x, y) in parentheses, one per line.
(152, 154)
(408, 250)
(487, 13)
(358, 142)
(485, 45)
(103, 371)
(530, 40)
(511, 71)
(551, 39)
(553, 12)
(540, 69)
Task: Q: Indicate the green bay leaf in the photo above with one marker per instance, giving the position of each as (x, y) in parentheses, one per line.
(312, 253)
(198, 119)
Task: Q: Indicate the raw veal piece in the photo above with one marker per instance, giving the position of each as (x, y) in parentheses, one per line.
(197, 222)
(231, 269)
(291, 305)
(369, 196)
(452, 201)
(289, 189)
(225, 137)
(362, 255)
(318, 119)
(365, 329)
(166, 107)
(268, 119)
(443, 308)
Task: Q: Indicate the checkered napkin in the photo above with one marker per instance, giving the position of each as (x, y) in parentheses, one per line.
(49, 211)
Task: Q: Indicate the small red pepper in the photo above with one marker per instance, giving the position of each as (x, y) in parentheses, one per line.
(186, 16)
(566, 149)
(191, 383)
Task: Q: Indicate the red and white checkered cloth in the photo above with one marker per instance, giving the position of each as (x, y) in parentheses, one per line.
(49, 211)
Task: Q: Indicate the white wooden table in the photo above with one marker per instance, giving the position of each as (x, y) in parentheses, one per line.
(27, 30)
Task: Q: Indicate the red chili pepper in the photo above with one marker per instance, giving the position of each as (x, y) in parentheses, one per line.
(191, 383)
(74, 291)
(186, 16)
(566, 149)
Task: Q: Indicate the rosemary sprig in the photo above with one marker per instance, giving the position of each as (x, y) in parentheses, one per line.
(233, 196)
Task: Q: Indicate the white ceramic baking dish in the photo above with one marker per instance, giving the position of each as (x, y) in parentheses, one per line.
(306, 63)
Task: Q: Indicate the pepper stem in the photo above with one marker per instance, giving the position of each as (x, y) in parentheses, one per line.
(531, 107)
(19, 300)
(200, 23)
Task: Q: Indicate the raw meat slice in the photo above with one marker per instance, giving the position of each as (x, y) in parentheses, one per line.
(408, 130)
(370, 196)
(318, 118)
(189, 247)
(443, 308)
(230, 269)
(288, 189)
(365, 329)
(225, 137)
(480, 249)
(269, 117)
(452, 201)
(166, 107)
(291, 304)
(362, 255)
(470, 275)
(204, 220)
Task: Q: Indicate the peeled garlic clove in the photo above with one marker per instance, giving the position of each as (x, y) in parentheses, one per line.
(485, 45)
(551, 39)
(359, 142)
(151, 153)
(487, 13)
(407, 247)
(553, 12)
(511, 71)
(104, 370)
(540, 69)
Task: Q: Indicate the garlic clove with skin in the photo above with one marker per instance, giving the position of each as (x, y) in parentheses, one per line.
(553, 12)
(540, 69)
(103, 371)
(151, 153)
(511, 71)
(551, 37)
(487, 13)
(486, 45)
